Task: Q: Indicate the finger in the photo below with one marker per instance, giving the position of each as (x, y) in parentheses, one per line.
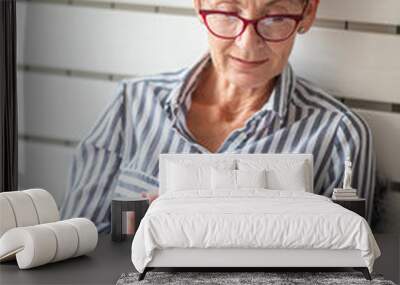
(153, 197)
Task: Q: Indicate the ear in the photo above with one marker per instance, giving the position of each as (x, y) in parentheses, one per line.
(309, 16)
(197, 7)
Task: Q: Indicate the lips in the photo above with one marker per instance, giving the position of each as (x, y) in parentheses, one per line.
(247, 63)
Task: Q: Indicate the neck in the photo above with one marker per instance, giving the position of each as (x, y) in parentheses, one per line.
(215, 91)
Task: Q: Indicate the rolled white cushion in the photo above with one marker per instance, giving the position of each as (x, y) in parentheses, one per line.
(7, 218)
(87, 233)
(40, 244)
(26, 208)
(23, 208)
(33, 246)
(67, 240)
(45, 205)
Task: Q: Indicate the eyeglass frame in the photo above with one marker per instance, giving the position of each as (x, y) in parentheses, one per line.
(298, 18)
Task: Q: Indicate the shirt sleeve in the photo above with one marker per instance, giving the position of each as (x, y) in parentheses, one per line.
(353, 139)
(95, 167)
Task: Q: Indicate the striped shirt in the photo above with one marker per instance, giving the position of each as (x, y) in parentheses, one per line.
(119, 156)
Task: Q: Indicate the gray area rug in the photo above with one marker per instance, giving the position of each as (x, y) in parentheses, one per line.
(225, 278)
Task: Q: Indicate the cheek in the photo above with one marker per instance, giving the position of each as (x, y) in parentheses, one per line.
(220, 50)
(281, 51)
(219, 46)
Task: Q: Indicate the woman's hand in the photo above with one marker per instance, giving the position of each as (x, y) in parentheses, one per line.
(151, 197)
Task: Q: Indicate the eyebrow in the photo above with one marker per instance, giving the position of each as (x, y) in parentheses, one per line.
(224, 1)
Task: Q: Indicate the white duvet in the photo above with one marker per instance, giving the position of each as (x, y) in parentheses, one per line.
(252, 218)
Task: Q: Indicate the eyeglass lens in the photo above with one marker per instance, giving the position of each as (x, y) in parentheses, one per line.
(272, 28)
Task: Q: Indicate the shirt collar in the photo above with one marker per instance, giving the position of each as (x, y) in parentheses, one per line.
(189, 77)
(278, 101)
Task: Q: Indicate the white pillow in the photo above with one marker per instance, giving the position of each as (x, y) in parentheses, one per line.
(230, 180)
(285, 174)
(192, 174)
(181, 177)
(251, 178)
(291, 180)
(223, 179)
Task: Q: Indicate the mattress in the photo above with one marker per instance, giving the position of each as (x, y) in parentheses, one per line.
(250, 219)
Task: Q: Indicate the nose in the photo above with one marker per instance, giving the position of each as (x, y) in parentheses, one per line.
(249, 39)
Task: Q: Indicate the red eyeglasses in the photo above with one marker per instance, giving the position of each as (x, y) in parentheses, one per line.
(272, 28)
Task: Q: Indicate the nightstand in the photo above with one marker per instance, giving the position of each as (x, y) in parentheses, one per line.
(357, 205)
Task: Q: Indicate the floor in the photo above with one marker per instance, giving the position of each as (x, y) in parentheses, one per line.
(389, 262)
(110, 260)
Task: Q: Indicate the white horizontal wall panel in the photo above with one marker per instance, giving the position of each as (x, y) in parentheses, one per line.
(110, 40)
(164, 3)
(350, 64)
(386, 133)
(63, 107)
(45, 166)
(369, 11)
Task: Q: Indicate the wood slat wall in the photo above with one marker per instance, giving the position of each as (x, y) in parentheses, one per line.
(72, 52)
(63, 107)
(110, 41)
(44, 166)
(386, 134)
(351, 64)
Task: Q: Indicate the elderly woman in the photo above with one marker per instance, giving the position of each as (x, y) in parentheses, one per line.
(242, 96)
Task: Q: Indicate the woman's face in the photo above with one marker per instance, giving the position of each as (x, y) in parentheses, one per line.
(249, 61)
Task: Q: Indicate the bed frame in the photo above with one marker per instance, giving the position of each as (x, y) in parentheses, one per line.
(261, 259)
(248, 259)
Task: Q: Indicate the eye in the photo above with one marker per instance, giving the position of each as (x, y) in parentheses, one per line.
(274, 20)
(278, 19)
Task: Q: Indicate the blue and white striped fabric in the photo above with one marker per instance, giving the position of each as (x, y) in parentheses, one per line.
(119, 156)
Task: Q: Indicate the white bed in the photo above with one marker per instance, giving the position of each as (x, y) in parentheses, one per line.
(281, 226)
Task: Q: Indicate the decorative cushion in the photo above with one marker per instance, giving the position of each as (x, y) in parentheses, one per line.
(231, 180)
(223, 179)
(251, 178)
(288, 175)
(186, 174)
(181, 178)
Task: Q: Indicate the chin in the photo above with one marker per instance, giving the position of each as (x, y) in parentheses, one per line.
(247, 81)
